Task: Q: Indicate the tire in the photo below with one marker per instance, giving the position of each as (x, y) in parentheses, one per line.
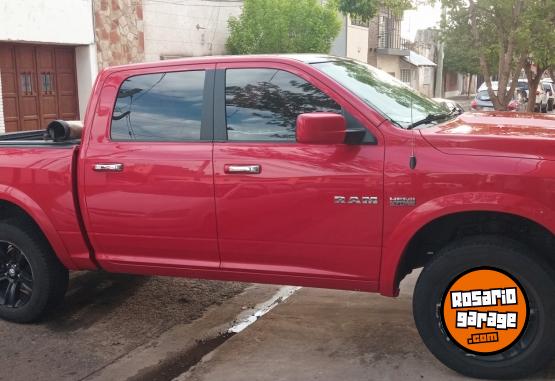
(543, 108)
(550, 105)
(532, 351)
(23, 246)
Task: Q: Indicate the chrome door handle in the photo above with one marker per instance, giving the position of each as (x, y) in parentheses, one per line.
(108, 167)
(252, 169)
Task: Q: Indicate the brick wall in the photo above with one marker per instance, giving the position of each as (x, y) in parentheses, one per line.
(2, 126)
(119, 32)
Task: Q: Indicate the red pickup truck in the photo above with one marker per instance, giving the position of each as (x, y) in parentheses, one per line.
(304, 170)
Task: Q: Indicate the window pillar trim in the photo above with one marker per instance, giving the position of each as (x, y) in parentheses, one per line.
(220, 123)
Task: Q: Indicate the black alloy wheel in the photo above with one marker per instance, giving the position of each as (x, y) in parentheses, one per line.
(16, 276)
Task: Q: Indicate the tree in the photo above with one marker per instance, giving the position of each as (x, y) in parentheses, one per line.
(539, 34)
(284, 26)
(460, 55)
(506, 36)
(365, 10)
(495, 27)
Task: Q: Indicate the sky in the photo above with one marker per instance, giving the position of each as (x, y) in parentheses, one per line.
(421, 18)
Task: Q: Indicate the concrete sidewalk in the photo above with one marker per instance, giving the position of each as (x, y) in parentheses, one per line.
(329, 335)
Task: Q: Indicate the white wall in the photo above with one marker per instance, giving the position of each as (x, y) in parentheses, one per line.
(390, 64)
(49, 21)
(185, 28)
(357, 42)
(339, 45)
(87, 69)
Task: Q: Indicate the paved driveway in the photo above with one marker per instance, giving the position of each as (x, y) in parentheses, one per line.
(329, 335)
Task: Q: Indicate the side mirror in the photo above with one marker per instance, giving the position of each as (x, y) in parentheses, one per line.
(321, 128)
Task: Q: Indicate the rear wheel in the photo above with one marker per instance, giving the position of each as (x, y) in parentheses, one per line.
(32, 280)
(535, 346)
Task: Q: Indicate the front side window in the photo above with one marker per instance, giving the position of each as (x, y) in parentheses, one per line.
(263, 104)
(159, 107)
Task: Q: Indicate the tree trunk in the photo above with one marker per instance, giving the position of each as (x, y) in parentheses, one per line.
(533, 82)
(469, 83)
(507, 56)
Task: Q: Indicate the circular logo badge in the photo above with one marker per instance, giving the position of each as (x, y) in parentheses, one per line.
(484, 310)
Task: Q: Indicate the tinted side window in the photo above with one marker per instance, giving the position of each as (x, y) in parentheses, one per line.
(263, 104)
(159, 107)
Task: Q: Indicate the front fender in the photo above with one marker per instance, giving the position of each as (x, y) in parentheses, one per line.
(398, 240)
(27, 204)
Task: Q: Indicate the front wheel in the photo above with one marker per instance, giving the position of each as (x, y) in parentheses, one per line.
(32, 280)
(455, 339)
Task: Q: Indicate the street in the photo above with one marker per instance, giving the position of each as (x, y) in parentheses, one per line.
(117, 327)
(105, 316)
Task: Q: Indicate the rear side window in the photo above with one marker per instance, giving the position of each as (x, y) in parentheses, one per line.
(263, 104)
(159, 107)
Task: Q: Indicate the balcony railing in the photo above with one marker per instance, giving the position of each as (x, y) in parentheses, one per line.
(389, 37)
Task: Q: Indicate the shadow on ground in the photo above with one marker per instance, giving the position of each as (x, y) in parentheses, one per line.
(104, 316)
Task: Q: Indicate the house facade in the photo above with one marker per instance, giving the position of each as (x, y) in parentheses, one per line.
(47, 60)
(377, 42)
(51, 51)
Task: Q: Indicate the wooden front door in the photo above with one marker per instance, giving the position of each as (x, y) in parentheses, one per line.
(38, 85)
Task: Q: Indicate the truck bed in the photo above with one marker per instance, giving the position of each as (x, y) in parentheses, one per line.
(32, 138)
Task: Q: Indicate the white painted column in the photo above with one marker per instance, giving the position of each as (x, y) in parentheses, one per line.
(87, 69)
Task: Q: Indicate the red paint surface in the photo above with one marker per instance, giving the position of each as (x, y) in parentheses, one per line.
(174, 210)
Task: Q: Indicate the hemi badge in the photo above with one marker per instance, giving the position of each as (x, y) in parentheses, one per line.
(402, 201)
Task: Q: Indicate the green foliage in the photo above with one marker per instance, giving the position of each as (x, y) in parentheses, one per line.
(367, 9)
(538, 31)
(460, 53)
(283, 26)
(500, 37)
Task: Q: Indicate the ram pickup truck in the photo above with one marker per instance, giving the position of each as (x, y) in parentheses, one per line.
(305, 170)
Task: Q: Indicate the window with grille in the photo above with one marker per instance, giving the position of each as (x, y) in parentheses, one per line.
(405, 75)
(47, 83)
(382, 32)
(26, 83)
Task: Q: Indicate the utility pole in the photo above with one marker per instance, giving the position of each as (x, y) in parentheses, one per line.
(438, 91)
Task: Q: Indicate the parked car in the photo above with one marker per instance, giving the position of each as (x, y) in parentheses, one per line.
(549, 90)
(483, 102)
(522, 91)
(542, 98)
(303, 169)
(452, 106)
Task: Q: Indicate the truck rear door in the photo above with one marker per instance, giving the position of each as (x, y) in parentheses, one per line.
(147, 170)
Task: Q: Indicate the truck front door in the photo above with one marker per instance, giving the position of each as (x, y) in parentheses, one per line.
(278, 202)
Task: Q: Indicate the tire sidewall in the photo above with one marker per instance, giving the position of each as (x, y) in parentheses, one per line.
(30, 249)
(434, 281)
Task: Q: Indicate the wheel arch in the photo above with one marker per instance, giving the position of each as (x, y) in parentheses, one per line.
(14, 203)
(482, 208)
